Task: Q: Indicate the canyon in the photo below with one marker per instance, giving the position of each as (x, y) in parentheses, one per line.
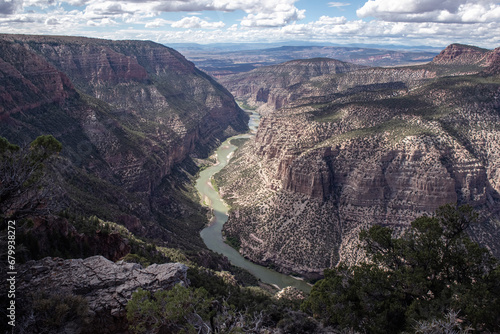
(132, 117)
(339, 151)
(341, 146)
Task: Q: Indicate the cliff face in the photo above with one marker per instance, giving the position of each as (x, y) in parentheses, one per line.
(371, 149)
(269, 85)
(128, 114)
(28, 81)
(458, 54)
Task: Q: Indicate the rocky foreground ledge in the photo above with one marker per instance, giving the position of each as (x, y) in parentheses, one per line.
(106, 286)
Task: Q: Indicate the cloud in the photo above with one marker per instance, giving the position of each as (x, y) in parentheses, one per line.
(106, 9)
(51, 21)
(338, 4)
(261, 13)
(248, 6)
(411, 22)
(102, 23)
(77, 2)
(447, 11)
(195, 22)
(327, 20)
(8, 7)
(280, 15)
(38, 3)
(156, 23)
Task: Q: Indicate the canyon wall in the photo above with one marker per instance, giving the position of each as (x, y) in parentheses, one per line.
(380, 146)
(130, 115)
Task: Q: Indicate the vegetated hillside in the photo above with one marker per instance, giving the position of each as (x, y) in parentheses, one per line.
(370, 146)
(130, 115)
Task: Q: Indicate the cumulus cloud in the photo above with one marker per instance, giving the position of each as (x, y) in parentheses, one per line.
(195, 22)
(261, 13)
(409, 22)
(447, 11)
(258, 13)
(38, 3)
(77, 2)
(281, 15)
(102, 23)
(51, 21)
(249, 6)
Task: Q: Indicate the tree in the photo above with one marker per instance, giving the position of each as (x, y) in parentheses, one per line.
(430, 270)
(24, 190)
(188, 310)
(169, 311)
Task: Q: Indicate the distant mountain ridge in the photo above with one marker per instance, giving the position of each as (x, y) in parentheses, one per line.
(221, 60)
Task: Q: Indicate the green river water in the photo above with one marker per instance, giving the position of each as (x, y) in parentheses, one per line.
(212, 235)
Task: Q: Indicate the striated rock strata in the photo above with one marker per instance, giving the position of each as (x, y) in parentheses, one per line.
(130, 115)
(383, 149)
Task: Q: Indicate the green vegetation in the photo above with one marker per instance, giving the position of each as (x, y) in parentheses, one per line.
(238, 142)
(244, 105)
(210, 305)
(53, 313)
(179, 309)
(214, 184)
(434, 268)
(234, 241)
(25, 189)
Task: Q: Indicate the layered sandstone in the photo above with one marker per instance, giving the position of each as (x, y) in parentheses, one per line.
(378, 149)
(459, 54)
(128, 113)
(260, 86)
(28, 81)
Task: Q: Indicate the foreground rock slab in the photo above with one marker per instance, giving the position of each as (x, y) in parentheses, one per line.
(106, 286)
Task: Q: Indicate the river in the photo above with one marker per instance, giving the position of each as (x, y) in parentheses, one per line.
(212, 235)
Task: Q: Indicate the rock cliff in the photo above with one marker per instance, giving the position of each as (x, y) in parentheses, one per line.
(263, 85)
(458, 54)
(30, 83)
(378, 146)
(106, 287)
(130, 116)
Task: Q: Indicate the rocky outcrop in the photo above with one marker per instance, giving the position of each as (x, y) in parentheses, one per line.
(383, 146)
(106, 286)
(459, 54)
(56, 233)
(493, 63)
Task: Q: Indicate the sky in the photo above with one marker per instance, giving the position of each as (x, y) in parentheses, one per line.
(385, 22)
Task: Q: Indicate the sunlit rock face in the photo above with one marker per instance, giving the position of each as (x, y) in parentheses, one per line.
(368, 146)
